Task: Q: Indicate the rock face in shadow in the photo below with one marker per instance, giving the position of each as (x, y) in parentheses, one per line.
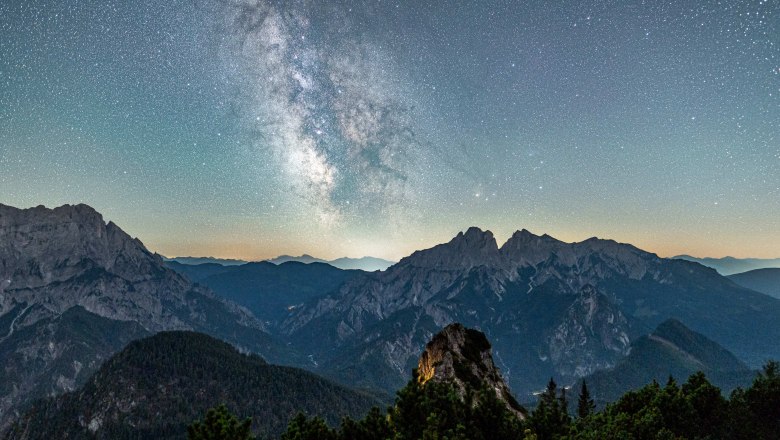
(461, 357)
(550, 309)
(673, 350)
(66, 274)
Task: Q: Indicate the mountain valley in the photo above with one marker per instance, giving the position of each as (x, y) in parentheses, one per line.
(77, 290)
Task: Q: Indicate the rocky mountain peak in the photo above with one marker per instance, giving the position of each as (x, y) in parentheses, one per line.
(474, 239)
(55, 261)
(81, 213)
(527, 249)
(39, 246)
(476, 233)
(473, 248)
(524, 235)
(461, 356)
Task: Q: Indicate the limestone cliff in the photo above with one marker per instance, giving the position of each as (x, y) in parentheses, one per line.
(461, 356)
(74, 289)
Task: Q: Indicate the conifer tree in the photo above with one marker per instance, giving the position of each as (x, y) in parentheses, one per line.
(302, 428)
(549, 420)
(220, 424)
(585, 404)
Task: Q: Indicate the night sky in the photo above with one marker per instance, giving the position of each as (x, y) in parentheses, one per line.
(252, 129)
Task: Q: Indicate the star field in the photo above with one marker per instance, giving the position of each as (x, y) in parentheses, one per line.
(254, 128)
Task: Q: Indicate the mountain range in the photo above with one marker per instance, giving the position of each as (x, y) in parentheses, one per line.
(368, 264)
(730, 265)
(75, 289)
(761, 280)
(551, 309)
(270, 291)
(206, 260)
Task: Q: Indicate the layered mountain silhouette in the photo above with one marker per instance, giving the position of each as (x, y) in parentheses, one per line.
(270, 291)
(75, 289)
(198, 272)
(761, 280)
(731, 265)
(191, 261)
(368, 264)
(551, 309)
(671, 350)
(156, 386)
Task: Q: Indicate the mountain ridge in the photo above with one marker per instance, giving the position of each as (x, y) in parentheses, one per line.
(727, 266)
(52, 260)
(596, 294)
(671, 349)
(766, 280)
(366, 263)
(156, 386)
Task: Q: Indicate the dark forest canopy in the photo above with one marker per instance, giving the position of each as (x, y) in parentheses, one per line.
(694, 410)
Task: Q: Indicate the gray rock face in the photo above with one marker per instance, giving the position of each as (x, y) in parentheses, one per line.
(474, 248)
(591, 336)
(53, 260)
(461, 357)
(69, 256)
(550, 308)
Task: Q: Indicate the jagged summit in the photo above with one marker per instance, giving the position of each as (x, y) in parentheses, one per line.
(461, 356)
(473, 248)
(475, 233)
(80, 213)
(526, 236)
(55, 261)
(476, 247)
(527, 249)
(39, 246)
(78, 207)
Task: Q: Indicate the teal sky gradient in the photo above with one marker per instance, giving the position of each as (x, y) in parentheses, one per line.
(250, 129)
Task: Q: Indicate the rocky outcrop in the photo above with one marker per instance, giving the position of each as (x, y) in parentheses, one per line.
(461, 357)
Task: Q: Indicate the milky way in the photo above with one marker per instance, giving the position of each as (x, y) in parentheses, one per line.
(327, 103)
(254, 128)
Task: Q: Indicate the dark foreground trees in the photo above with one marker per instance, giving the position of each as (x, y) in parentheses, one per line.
(430, 411)
(695, 410)
(219, 424)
